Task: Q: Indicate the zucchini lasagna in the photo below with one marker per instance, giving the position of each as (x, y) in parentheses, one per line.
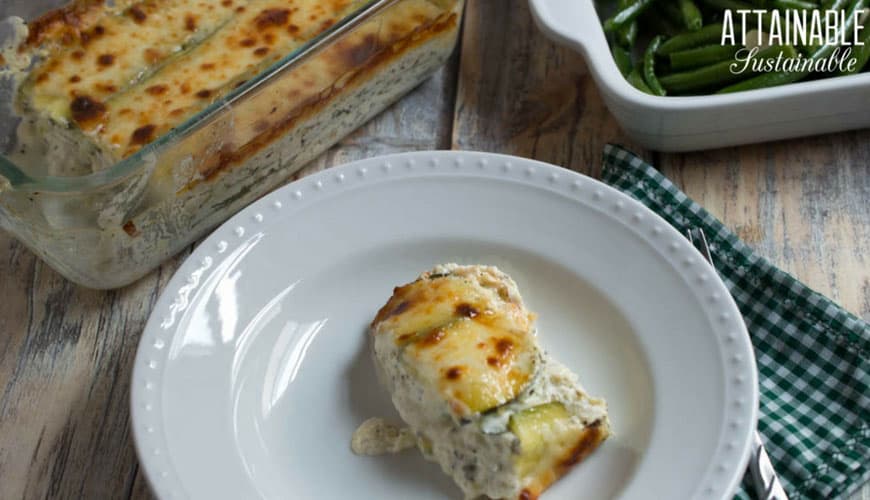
(457, 351)
(119, 75)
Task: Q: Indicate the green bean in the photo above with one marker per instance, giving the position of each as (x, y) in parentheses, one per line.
(622, 56)
(847, 26)
(627, 34)
(626, 15)
(807, 50)
(692, 18)
(783, 77)
(636, 80)
(649, 61)
(717, 74)
(777, 78)
(658, 23)
(822, 51)
(686, 54)
(702, 56)
(705, 36)
(728, 4)
(860, 53)
(794, 4)
(672, 13)
(766, 18)
(835, 4)
(803, 49)
(773, 79)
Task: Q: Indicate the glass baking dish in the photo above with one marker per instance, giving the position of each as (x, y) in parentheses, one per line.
(108, 228)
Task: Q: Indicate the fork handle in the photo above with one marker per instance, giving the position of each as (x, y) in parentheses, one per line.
(767, 485)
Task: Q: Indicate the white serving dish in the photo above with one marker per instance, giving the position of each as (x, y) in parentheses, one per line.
(254, 367)
(705, 122)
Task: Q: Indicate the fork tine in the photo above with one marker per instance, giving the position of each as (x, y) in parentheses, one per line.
(698, 240)
(703, 246)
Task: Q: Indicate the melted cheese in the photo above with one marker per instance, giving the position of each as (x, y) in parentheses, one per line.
(266, 31)
(464, 337)
(474, 365)
(170, 59)
(131, 75)
(293, 96)
(121, 49)
(418, 307)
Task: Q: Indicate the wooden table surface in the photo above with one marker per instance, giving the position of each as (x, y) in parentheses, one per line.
(66, 353)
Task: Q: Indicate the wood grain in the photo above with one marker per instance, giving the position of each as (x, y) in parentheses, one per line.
(66, 353)
(521, 94)
(66, 358)
(804, 204)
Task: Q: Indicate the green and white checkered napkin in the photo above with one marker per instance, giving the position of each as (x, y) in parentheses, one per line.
(812, 356)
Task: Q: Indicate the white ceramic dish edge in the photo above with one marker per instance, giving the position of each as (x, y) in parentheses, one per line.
(705, 122)
(720, 480)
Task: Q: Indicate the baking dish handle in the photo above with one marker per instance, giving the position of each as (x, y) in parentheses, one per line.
(572, 22)
(575, 24)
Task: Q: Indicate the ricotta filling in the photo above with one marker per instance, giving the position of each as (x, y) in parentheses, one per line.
(378, 436)
(478, 454)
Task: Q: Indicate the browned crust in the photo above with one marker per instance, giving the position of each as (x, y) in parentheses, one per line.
(588, 442)
(466, 310)
(65, 24)
(432, 338)
(143, 134)
(130, 228)
(86, 109)
(397, 304)
(454, 372)
(313, 105)
(353, 59)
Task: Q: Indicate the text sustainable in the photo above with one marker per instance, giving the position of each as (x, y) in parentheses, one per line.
(815, 29)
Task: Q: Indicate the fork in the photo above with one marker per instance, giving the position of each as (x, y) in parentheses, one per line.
(764, 477)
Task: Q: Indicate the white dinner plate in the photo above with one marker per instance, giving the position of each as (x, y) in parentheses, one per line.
(254, 369)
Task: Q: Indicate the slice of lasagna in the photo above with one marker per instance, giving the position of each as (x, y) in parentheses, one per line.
(457, 350)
